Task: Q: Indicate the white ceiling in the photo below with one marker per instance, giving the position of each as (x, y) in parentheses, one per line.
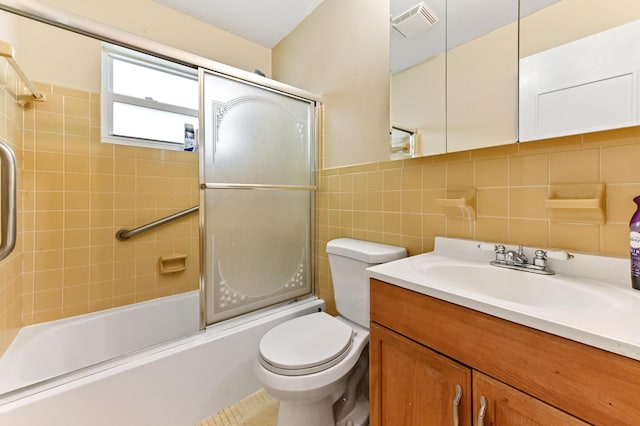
(263, 22)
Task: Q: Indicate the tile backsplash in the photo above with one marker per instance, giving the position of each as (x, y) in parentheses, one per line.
(395, 202)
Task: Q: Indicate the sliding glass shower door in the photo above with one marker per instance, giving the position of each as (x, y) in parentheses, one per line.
(257, 190)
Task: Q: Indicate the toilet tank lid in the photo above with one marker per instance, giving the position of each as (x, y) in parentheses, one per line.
(365, 251)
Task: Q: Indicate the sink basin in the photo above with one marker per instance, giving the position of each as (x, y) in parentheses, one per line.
(512, 286)
(588, 300)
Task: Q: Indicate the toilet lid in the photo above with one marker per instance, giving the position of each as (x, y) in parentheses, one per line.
(305, 345)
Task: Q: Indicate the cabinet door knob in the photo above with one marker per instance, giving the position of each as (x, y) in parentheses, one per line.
(482, 411)
(456, 404)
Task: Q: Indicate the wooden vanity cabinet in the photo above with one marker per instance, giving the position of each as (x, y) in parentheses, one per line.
(413, 385)
(422, 347)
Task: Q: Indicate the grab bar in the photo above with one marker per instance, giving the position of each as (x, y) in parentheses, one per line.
(125, 234)
(8, 208)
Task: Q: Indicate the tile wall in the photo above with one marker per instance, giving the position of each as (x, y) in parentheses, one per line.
(394, 202)
(78, 192)
(11, 267)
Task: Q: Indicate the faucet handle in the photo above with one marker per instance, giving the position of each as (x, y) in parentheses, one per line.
(499, 249)
(540, 258)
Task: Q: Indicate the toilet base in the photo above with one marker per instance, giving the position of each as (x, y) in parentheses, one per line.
(318, 413)
(359, 416)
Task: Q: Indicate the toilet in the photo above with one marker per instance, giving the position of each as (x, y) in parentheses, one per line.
(316, 365)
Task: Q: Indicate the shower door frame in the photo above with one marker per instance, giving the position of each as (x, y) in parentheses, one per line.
(314, 130)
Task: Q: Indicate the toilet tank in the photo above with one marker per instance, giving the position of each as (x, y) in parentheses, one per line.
(348, 261)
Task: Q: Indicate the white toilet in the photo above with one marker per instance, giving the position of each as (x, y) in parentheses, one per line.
(316, 365)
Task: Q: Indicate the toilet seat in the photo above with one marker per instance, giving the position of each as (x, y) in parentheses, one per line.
(305, 345)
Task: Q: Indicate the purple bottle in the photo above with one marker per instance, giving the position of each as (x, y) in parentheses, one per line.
(634, 244)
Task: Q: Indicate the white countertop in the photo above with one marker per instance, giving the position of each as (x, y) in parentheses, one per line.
(608, 318)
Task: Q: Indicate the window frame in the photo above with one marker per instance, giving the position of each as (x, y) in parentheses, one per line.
(109, 98)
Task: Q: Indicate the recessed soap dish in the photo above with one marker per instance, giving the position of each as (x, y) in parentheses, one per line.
(459, 203)
(577, 203)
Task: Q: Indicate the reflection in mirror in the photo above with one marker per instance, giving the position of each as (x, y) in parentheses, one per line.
(482, 73)
(579, 66)
(74, 193)
(403, 142)
(418, 72)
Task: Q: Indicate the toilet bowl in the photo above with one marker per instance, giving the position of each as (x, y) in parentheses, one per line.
(312, 366)
(316, 365)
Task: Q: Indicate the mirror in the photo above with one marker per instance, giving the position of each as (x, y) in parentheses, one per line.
(456, 80)
(482, 74)
(579, 67)
(418, 73)
(403, 142)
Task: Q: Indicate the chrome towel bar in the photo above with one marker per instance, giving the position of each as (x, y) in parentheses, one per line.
(125, 234)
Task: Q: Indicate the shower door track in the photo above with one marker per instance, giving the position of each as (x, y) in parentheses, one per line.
(257, 186)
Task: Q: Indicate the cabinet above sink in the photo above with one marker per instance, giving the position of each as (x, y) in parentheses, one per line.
(456, 80)
(488, 74)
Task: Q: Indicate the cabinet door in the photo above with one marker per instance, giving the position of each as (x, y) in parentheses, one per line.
(413, 385)
(508, 406)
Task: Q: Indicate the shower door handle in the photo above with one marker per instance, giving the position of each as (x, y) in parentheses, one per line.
(8, 209)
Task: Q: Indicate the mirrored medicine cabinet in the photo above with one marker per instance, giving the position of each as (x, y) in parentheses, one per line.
(454, 68)
(579, 65)
(486, 74)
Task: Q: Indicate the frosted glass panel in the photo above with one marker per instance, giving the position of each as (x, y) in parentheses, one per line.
(255, 136)
(257, 249)
(257, 241)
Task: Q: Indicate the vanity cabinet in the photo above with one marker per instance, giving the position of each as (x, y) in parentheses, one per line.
(422, 347)
(413, 385)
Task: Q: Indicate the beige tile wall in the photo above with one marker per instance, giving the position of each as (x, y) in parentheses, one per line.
(11, 267)
(78, 193)
(394, 202)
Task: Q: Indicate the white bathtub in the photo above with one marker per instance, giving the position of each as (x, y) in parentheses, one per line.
(175, 384)
(42, 351)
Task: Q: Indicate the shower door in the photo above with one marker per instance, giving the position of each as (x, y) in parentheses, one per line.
(257, 190)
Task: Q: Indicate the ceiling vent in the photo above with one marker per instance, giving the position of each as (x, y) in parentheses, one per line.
(414, 21)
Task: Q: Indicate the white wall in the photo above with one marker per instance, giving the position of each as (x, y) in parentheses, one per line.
(162, 24)
(8, 29)
(56, 56)
(341, 51)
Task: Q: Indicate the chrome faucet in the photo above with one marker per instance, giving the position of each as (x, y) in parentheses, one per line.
(517, 260)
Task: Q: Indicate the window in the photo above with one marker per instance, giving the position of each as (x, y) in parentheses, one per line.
(146, 101)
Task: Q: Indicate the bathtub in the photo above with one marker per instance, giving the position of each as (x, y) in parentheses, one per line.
(42, 351)
(176, 383)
